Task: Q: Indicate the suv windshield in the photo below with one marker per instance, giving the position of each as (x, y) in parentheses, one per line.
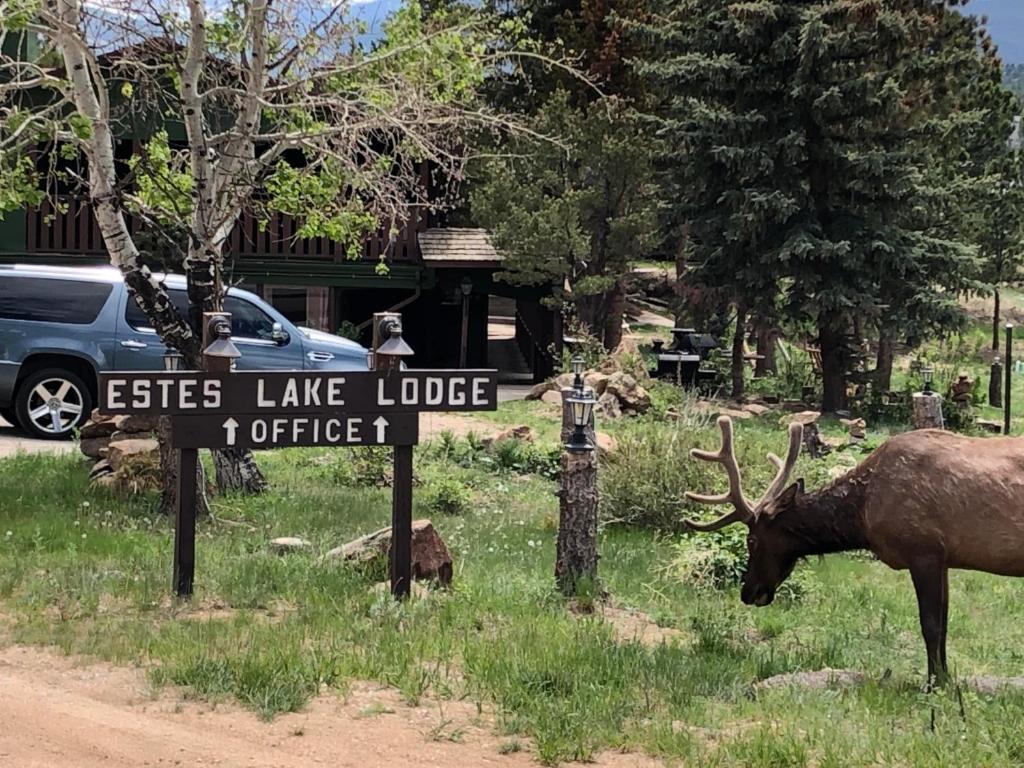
(247, 320)
(44, 300)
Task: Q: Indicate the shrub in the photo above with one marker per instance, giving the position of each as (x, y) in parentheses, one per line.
(447, 496)
(717, 561)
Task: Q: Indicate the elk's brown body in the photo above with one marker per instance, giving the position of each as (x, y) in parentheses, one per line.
(925, 501)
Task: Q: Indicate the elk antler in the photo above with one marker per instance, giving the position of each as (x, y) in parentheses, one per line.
(796, 439)
(743, 511)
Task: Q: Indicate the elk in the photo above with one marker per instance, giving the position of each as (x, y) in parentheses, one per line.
(925, 501)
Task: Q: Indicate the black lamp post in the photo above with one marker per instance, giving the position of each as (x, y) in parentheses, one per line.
(578, 365)
(928, 374)
(581, 405)
(1007, 395)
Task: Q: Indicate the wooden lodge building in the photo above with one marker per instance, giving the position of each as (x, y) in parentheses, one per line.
(442, 279)
(432, 271)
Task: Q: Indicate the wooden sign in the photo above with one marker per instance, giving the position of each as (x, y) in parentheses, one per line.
(282, 430)
(254, 392)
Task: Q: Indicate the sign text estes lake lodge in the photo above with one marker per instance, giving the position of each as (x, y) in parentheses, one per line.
(284, 408)
(364, 392)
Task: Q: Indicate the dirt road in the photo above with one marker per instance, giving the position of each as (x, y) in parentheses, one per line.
(57, 713)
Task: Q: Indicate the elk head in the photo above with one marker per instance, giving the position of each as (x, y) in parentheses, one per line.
(772, 552)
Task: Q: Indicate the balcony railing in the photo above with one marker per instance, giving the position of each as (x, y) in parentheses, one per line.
(73, 231)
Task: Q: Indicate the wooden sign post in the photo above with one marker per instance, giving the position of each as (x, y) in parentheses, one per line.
(261, 410)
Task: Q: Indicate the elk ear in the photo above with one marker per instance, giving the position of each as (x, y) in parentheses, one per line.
(800, 486)
(785, 500)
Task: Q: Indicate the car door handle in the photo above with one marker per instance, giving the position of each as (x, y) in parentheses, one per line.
(319, 357)
(134, 344)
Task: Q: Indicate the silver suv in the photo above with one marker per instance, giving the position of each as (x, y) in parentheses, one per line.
(60, 326)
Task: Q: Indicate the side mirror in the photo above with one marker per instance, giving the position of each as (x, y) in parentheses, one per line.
(278, 334)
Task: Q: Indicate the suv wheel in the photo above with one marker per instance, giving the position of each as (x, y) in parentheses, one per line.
(51, 403)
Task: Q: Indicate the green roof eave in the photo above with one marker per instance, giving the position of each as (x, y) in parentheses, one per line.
(350, 274)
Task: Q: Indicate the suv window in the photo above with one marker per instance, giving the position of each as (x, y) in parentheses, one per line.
(45, 300)
(137, 319)
(247, 320)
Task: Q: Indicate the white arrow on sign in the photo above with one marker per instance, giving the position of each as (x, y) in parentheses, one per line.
(230, 426)
(382, 425)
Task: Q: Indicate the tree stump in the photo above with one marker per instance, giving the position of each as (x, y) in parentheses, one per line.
(928, 411)
(576, 549)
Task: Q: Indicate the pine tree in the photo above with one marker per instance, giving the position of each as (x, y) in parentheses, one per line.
(574, 208)
(802, 157)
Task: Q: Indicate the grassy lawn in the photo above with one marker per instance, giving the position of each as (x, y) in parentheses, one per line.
(89, 573)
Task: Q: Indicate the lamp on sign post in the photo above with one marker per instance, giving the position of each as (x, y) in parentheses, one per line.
(172, 359)
(395, 345)
(221, 354)
(581, 405)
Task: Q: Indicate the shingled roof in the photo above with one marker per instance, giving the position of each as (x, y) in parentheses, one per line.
(463, 247)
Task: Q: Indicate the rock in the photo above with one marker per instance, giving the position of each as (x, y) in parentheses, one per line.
(99, 469)
(960, 392)
(552, 397)
(608, 406)
(632, 397)
(95, 429)
(538, 390)
(803, 417)
(856, 428)
(430, 556)
(287, 544)
(120, 451)
(521, 432)
(597, 381)
(993, 427)
(732, 413)
(756, 409)
(134, 423)
(605, 443)
(928, 411)
(94, 447)
(825, 679)
(563, 381)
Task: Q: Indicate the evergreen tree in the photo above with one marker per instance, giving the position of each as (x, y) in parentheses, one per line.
(574, 207)
(802, 136)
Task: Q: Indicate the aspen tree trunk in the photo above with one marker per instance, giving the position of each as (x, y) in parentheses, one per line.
(576, 550)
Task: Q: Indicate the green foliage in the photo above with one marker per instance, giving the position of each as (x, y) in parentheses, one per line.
(162, 178)
(511, 455)
(718, 560)
(19, 185)
(447, 496)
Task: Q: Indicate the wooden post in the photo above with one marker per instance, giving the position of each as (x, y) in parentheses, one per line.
(185, 524)
(1008, 394)
(995, 385)
(928, 411)
(400, 561)
(401, 523)
(576, 550)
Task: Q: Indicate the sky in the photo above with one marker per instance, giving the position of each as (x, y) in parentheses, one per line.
(1006, 24)
(1006, 21)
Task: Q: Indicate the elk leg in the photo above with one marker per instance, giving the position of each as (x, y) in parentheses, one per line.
(930, 583)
